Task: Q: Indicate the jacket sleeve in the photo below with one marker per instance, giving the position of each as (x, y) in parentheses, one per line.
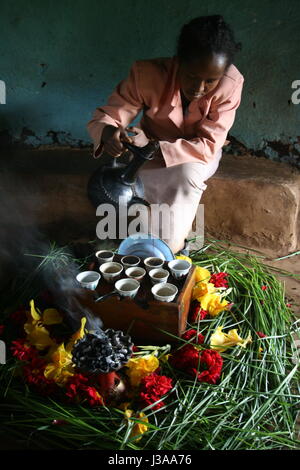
(123, 105)
(211, 133)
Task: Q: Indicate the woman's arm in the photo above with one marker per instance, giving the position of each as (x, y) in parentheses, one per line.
(123, 105)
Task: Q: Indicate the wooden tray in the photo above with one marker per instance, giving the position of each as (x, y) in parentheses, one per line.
(147, 320)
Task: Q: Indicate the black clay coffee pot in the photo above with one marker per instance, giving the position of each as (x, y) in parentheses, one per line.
(118, 183)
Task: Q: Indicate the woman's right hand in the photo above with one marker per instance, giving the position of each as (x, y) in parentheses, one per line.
(111, 138)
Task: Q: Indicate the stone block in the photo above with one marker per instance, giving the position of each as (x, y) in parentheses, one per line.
(254, 202)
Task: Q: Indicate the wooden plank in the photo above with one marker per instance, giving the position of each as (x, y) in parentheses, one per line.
(142, 317)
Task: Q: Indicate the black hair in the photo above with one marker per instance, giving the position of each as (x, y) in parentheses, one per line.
(205, 35)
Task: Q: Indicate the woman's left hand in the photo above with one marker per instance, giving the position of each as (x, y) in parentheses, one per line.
(140, 139)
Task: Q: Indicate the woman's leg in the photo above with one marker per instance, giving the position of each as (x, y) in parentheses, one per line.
(179, 188)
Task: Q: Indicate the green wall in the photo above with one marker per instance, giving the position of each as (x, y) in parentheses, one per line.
(61, 59)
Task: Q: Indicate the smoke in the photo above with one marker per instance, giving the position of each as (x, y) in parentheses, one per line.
(28, 255)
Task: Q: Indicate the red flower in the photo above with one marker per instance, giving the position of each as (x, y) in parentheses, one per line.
(23, 352)
(288, 305)
(213, 362)
(2, 328)
(34, 376)
(153, 387)
(75, 383)
(92, 396)
(219, 280)
(206, 366)
(185, 358)
(197, 313)
(260, 334)
(198, 338)
(264, 287)
(77, 389)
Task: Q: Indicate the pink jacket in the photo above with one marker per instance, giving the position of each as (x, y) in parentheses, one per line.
(152, 87)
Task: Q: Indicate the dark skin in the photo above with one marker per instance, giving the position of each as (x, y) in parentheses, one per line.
(201, 76)
(196, 78)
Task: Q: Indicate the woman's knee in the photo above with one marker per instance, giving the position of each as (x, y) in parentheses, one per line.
(191, 177)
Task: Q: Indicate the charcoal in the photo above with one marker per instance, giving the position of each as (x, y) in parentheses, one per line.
(103, 352)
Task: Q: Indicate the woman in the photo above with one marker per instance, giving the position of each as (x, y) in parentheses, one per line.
(189, 103)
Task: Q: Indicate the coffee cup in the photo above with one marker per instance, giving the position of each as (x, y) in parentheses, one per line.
(153, 262)
(130, 261)
(111, 271)
(104, 256)
(164, 292)
(158, 275)
(88, 279)
(127, 287)
(179, 268)
(135, 273)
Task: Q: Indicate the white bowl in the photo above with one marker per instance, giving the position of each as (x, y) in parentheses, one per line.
(158, 275)
(88, 279)
(135, 273)
(111, 271)
(127, 287)
(179, 267)
(130, 261)
(153, 262)
(104, 256)
(164, 292)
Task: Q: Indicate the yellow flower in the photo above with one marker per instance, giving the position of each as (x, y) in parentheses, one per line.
(124, 406)
(201, 289)
(139, 367)
(37, 334)
(213, 304)
(186, 258)
(60, 367)
(51, 316)
(259, 352)
(139, 428)
(79, 334)
(221, 341)
(202, 274)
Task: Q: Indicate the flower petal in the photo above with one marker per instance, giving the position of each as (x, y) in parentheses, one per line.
(34, 312)
(51, 316)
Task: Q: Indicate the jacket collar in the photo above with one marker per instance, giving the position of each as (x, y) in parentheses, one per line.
(175, 112)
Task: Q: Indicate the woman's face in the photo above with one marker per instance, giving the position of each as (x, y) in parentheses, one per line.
(200, 76)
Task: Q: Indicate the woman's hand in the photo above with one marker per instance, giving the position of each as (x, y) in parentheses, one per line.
(139, 139)
(111, 138)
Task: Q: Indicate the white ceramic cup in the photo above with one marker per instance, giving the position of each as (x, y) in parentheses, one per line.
(104, 256)
(179, 267)
(135, 273)
(129, 261)
(111, 271)
(127, 287)
(164, 292)
(158, 275)
(153, 263)
(88, 279)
